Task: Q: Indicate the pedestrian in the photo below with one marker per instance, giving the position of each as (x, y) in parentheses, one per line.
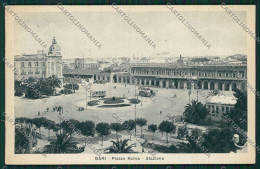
(39, 113)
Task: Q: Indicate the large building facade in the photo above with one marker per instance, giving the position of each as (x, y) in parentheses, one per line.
(40, 65)
(179, 76)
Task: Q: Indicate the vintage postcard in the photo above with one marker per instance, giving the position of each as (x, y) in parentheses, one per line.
(130, 84)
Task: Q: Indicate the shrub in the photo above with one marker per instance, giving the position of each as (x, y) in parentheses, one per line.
(18, 92)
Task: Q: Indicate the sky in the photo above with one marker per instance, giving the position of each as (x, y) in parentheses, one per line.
(119, 39)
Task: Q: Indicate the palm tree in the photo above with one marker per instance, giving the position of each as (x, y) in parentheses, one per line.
(49, 125)
(195, 112)
(63, 144)
(120, 146)
(141, 122)
(25, 138)
(194, 143)
(190, 111)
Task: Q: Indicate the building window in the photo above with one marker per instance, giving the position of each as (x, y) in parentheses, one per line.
(199, 73)
(219, 74)
(223, 109)
(226, 74)
(157, 72)
(23, 72)
(206, 74)
(234, 75)
(147, 72)
(174, 73)
(213, 74)
(243, 75)
(133, 72)
(36, 64)
(30, 64)
(152, 72)
(37, 71)
(192, 73)
(43, 64)
(22, 64)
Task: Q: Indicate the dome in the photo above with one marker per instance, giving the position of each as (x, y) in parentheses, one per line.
(54, 47)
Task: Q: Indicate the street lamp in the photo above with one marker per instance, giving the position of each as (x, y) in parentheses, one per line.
(135, 107)
(189, 93)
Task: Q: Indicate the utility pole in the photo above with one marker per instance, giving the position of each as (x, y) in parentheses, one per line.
(86, 98)
(197, 95)
(189, 93)
(141, 100)
(135, 108)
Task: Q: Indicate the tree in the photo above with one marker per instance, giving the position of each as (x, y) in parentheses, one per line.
(63, 144)
(219, 141)
(53, 81)
(167, 127)
(182, 131)
(18, 91)
(25, 138)
(196, 133)
(23, 120)
(120, 146)
(29, 82)
(18, 88)
(141, 122)
(69, 126)
(39, 122)
(152, 128)
(239, 113)
(103, 129)
(50, 125)
(129, 126)
(194, 143)
(117, 127)
(87, 128)
(195, 112)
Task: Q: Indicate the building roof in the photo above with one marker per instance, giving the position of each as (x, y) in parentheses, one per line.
(33, 57)
(221, 99)
(80, 71)
(54, 47)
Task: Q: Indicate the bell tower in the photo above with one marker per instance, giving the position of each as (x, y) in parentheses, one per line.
(53, 65)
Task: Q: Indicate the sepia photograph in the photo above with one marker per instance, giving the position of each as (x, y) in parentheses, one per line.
(122, 84)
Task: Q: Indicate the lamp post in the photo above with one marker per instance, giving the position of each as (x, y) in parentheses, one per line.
(135, 108)
(197, 95)
(189, 93)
